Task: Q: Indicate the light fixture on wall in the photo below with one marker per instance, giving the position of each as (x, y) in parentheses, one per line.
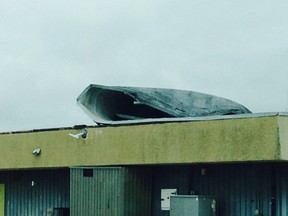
(203, 171)
(36, 151)
(81, 134)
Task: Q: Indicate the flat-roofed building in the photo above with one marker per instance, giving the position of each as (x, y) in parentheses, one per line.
(240, 160)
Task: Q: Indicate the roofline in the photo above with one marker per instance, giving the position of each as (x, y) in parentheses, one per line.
(154, 121)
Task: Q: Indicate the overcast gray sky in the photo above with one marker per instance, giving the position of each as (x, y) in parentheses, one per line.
(50, 51)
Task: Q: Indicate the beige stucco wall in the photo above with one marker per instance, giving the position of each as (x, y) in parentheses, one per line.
(283, 136)
(244, 139)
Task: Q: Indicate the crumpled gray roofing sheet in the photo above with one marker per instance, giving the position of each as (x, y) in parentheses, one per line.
(107, 104)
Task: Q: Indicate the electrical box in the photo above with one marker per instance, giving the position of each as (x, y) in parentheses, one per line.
(192, 205)
(165, 198)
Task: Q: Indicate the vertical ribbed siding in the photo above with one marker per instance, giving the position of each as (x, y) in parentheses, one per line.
(282, 191)
(137, 191)
(51, 190)
(111, 192)
(240, 188)
(169, 177)
(100, 194)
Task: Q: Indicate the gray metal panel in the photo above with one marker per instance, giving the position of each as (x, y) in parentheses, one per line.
(112, 191)
(182, 206)
(207, 206)
(51, 190)
(100, 194)
(193, 205)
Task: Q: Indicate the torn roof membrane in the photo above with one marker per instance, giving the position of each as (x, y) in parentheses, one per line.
(108, 104)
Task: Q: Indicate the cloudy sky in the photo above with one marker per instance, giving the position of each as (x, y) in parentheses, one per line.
(50, 51)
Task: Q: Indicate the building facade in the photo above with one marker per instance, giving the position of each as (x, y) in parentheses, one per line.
(127, 169)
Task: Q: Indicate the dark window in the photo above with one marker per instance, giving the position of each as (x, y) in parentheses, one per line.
(87, 172)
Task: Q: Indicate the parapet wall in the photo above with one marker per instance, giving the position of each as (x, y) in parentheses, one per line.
(263, 138)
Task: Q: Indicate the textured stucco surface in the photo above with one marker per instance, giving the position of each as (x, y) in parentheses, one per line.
(243, 139)
(283, 136)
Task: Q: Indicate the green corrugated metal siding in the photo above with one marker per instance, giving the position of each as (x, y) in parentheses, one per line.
(2, 199)
(137, 191)
(51, 190)
(112, 191)
(169, 177)
(281, 190)
(100, 194)
(240, 189)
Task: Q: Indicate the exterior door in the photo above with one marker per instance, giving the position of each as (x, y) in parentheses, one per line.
(2, 199)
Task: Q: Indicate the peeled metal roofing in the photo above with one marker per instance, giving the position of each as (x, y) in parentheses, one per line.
(116, 104)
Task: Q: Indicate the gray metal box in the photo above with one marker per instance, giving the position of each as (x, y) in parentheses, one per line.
(191, 205)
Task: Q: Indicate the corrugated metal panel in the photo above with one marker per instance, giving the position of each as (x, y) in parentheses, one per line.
(98, 194)
(110, 192)
(51, 190)
(184, 205)
(2, 199)
(282, 191)
(138, 187)
(240, 188)
(169, 177)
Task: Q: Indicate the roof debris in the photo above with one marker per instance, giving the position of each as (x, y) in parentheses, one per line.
(110, 104)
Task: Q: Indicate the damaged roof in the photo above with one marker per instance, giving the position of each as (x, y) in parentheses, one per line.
(117, 104)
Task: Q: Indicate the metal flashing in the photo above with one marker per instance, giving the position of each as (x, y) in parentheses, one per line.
(155, 121)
